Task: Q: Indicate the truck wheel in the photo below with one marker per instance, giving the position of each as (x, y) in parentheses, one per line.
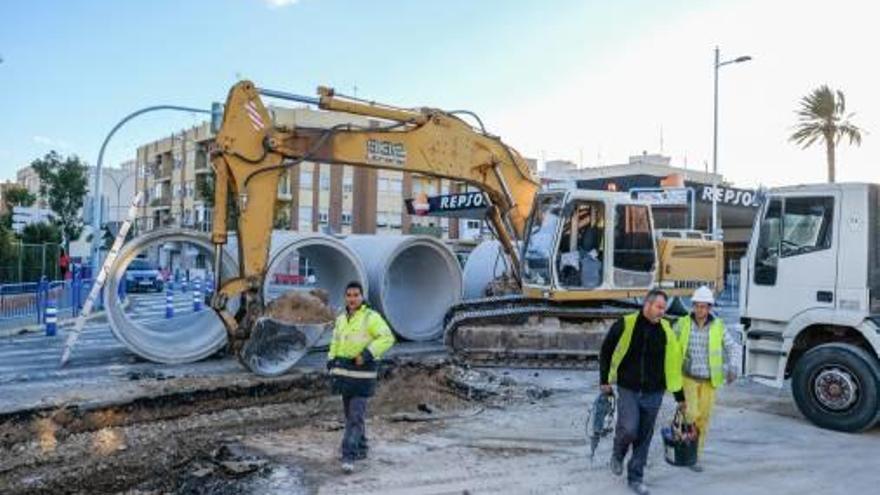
(837, 386)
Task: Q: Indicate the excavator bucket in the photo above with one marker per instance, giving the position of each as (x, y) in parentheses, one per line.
(276, 346)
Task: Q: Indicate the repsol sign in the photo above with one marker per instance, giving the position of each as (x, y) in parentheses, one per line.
(730, 196)
(469, 204)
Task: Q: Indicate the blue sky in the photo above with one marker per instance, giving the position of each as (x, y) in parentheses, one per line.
(560, 79)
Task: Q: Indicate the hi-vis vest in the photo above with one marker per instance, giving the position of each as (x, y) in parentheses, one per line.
(365, 330)
(672, 358)
(716, 347)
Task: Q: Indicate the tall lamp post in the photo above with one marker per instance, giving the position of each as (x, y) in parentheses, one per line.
(119, 183)
(718, 64)
(96, 218)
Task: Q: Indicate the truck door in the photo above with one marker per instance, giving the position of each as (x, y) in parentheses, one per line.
(793, 269)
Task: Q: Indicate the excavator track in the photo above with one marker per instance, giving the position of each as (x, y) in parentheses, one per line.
(529, 333)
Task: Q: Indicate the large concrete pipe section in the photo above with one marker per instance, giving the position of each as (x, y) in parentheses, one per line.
(304, 261)
(187, 338)
(484, 264)
(413, 281)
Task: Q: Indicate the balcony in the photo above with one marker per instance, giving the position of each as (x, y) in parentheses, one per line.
(161, 203)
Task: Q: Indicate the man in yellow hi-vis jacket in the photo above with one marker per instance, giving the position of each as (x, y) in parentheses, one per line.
(709, 354)
(360, 338)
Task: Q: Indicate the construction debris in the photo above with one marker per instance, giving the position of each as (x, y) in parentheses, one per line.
(301, 307)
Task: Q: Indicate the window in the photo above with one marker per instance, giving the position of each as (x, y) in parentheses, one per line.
(634, 255)
(395, 185)
(305, 214)
(305, 179)
(472, 224)
(767, 252)
(791, 227)
(190, 188)
(806, 225)
(581, 248)
(541, 237)
(323, 216)
(325, 178)
(346, 219)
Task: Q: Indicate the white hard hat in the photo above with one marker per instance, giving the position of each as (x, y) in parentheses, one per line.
(703, 295)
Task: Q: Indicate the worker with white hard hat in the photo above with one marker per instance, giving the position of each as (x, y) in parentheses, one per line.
(709, 359)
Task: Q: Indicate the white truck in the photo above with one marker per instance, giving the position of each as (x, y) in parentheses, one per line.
(810, 301)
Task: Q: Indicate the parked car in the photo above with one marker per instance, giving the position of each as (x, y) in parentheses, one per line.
(141, 275)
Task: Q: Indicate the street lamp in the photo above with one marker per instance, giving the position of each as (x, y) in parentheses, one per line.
(119, 184)
(718, 65)
(96, 219)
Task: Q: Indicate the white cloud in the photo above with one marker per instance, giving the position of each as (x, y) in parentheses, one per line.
(277, 4)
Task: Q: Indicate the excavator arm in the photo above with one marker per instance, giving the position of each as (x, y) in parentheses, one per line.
(252, 153)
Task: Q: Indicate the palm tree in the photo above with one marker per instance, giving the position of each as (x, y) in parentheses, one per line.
(823, 116)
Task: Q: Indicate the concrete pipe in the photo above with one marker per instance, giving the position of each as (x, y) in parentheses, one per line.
(484, 264)
(304, 261)
(413, 281)
(193, 335)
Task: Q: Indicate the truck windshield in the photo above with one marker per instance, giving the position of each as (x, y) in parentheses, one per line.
(541, 239)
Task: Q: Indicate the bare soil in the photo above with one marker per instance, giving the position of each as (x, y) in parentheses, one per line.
(301, 307)
(191, 443)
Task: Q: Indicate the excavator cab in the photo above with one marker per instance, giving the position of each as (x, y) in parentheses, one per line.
(588, 245)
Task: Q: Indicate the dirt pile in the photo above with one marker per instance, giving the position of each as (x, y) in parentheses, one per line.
(301, 307)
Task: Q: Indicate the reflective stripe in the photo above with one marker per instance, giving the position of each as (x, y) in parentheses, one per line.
(354, 373)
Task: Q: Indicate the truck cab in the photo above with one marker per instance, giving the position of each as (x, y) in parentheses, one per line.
(810, 301)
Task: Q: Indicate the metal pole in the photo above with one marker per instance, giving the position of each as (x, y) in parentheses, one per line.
(96, 219)
(715, 154)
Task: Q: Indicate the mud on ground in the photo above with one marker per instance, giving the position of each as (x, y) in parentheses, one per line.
(193, 442)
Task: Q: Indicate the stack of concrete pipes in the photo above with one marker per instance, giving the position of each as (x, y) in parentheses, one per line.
(411, 280)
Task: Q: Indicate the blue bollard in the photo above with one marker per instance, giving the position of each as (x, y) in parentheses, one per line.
(42, 298)
(169, 304)
(51, 318)
(183, 286)
(197, 294)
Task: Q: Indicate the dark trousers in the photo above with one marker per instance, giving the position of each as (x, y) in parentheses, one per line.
(636, 414)
(354, 440)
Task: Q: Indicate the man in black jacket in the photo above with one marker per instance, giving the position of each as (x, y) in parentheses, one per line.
(642, 356)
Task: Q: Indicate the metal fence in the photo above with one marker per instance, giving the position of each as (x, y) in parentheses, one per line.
(30, 262)
(25, 303)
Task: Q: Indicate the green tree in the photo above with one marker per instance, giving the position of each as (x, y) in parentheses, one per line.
(8, 254)
(205, 190)
(63, 182)
(42, 232)
(822, 116)
(12, 197)
(18, 196)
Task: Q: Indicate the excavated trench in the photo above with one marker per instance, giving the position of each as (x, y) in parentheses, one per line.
(189, 440)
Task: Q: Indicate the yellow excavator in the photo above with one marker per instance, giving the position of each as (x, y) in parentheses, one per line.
(576, 258)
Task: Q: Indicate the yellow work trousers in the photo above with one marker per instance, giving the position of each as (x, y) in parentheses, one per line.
(700, 397)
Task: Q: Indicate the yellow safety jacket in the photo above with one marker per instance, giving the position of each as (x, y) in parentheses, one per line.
(672, 359)
(716, 346)
(365, 330)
